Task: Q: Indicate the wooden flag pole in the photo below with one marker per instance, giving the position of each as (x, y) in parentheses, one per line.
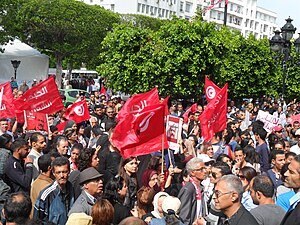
(170, 159)
(162, 154)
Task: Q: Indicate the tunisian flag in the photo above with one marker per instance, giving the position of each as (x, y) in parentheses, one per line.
(78, 112)
(138, 102)
(42, 98)
(141, 134)
(193, 109)
(210, 89)
(213, 119)
(7, 109)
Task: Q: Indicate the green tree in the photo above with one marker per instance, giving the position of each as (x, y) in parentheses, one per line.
(178, 56)
(62, 28)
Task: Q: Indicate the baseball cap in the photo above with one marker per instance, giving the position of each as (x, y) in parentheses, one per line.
(171, 205)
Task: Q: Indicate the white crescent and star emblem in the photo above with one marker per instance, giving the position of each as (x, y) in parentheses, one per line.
(79, 110)
(210, 92)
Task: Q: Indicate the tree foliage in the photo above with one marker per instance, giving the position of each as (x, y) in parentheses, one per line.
(62, 28)
(178, 56)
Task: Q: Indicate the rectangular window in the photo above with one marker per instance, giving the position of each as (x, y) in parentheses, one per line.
(147, 9)
(188, 7)
(112, 7)
(181, 6)
(139, 7)
(143, 8)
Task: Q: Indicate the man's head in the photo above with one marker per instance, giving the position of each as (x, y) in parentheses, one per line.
(218, 170)
(20, 148)
(278, 131)
(3, 125)
(227, 193)
(292, 175)
(110, 112)
(260, 133)
(179, 107)
(239, 155)
(91, 180)
(98, 109)
(17, 208)
(44, 163)
(38, 142)
(277, 158)
(62, 145)
(289, 156)
(196, 169)
(279, 145)
(261, 187)
(61, 169)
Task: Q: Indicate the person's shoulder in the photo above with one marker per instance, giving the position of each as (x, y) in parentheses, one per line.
(47, 191)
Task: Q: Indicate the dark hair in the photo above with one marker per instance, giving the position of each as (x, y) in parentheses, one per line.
(261, 132)
(60, 161)
(53, 128)
(239, 148)
(245, 142)
(248, 172)
(85, 158)
(263, 184)
(78, 146)
(274, 154)
(44, 162)
(288, 154)
(222, 156)
(18, 143)
(54, 154)
(153, 163)
(112, 188)
(68, 132)
(171, 218)
(102, 212)
(122, 171)
(35, 137)
(251, 155)
(17, 208)
(4, 140)
(3, 119)
(225, 169)
(97, 130)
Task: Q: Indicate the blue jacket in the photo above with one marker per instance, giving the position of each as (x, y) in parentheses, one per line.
(50, 205)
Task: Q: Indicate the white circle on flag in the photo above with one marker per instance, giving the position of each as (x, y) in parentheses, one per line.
(79, 110)
(210, 92)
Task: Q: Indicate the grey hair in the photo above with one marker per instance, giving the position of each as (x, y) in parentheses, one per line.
(192, 164)
(233, 183)
(59, 139)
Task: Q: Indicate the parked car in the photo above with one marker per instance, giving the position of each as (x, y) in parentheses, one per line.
(72, 93)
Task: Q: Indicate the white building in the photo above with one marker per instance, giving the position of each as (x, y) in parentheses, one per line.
(243, 15)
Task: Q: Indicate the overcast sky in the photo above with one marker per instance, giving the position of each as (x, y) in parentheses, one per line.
(284, 9)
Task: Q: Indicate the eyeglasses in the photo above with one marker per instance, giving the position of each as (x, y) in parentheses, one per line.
(242, 177)
(214, 175)
(200, 169)
(218, 193)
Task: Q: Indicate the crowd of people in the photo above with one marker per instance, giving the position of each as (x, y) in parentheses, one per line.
(244, 175)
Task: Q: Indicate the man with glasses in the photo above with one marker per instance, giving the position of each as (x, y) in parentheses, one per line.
(227, 196)
(55, 201)
(92, 187)
(191, 195)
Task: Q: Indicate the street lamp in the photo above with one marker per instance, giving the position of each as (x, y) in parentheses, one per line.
(15, 64)
(281, 44)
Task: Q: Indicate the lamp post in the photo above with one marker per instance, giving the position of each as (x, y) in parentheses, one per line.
(281, 44)
(15, 64)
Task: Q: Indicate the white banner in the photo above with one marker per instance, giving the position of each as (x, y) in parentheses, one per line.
(269, 120)
(173, 131)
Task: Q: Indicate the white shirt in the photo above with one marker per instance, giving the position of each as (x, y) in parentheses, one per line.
(296, 149)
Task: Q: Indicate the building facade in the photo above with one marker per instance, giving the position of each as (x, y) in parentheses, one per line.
(243, 15)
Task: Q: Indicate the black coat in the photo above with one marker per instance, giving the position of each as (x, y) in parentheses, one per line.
(292, 217)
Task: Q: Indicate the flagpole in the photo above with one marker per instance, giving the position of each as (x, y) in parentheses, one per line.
(47, 123)
(170, 159)
(162, 154)
(25, 119)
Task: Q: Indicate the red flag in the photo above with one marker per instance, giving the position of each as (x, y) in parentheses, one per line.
(153, 145)
(210, 89)
(78, 112)
(213, 119)
(165, 102)
(138, 102)
(42, 98)
(36, 121)
(136, 131)
(103, 90)
(193, 109)
(61, 127)
(7, 109)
